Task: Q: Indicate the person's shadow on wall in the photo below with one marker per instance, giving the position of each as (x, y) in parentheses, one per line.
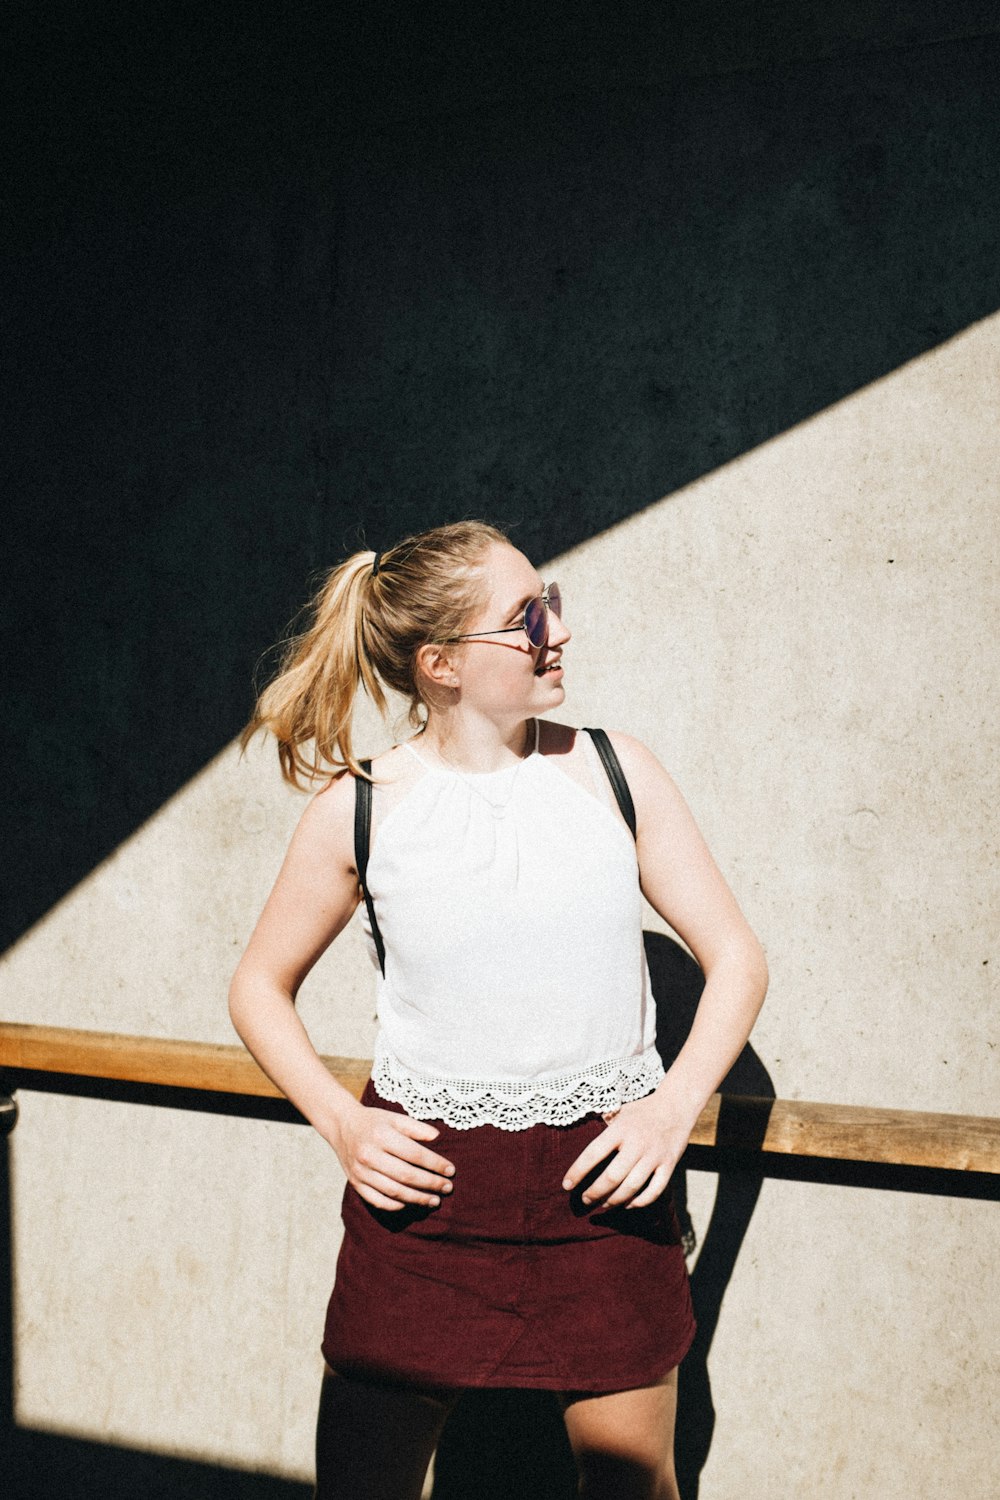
(677, 986)
(497, 1442)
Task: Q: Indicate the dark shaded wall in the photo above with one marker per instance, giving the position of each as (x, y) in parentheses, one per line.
(283, 281)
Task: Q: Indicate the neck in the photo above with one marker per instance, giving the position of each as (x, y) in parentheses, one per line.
(477, 745)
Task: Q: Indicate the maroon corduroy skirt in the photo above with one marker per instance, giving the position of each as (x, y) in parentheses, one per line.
(512, 1281)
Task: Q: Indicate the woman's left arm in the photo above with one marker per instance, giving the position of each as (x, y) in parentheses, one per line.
(681, 881)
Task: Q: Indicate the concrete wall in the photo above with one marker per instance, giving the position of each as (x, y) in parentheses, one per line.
(781, 488)
(816, 683)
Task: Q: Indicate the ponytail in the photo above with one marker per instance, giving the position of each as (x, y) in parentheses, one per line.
(367, 624)
(311, 702)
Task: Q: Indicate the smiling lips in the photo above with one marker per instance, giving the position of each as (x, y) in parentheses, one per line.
(552, 666)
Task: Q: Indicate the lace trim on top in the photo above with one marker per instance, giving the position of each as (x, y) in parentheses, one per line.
(515, 1104)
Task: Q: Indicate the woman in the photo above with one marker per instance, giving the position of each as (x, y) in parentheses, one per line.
(507, 1214)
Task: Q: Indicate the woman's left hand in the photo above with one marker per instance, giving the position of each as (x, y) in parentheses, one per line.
(647, 1137)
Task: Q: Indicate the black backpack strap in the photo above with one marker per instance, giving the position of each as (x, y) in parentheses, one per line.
(616, 775)
(362, 843)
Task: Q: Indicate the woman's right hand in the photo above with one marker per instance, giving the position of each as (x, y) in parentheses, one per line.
(385, 1161)
(385, 1154)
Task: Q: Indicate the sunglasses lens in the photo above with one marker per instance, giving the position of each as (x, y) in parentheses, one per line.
(555, 600)
(536, 626)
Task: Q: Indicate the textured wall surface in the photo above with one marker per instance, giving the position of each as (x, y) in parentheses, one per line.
(712, 325)
(816, 685)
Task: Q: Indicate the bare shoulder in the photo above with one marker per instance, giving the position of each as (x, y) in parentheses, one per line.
(650, 782)
(326, 828)
(632, 753)
(333, 806)
(327, 825)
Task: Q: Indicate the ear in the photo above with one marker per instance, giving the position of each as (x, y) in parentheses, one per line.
(437, 664)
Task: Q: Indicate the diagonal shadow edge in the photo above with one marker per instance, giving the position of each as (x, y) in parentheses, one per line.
(144, 558)
(14, 939)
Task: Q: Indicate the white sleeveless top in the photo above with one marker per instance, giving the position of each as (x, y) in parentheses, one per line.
(516, 989)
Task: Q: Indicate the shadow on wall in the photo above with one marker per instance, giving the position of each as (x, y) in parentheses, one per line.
(502, 1443)
(46, 1466)
(677, 984)
(293, 278)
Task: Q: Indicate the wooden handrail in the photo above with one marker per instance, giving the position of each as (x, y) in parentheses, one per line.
(145, 1059)
(786, 1127)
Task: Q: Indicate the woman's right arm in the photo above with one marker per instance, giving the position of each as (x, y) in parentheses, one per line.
(313, 899)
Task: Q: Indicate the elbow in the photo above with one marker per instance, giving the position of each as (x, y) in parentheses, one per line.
(241, 999)
(255, 994)
(758, 973)
(235, 1002)
(737, 975)
(745, 964)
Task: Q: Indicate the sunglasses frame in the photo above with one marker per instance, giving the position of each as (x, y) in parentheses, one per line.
(542, 599)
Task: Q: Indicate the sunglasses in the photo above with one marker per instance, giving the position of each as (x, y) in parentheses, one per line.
(534, 622)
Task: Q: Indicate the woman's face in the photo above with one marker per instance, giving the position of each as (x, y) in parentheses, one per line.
(504, 675)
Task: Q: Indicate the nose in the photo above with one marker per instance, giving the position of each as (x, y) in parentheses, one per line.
(558, 633)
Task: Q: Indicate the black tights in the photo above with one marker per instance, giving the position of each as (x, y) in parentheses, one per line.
(374, 1442)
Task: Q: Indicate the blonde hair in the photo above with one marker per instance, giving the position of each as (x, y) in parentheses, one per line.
(365, 629)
